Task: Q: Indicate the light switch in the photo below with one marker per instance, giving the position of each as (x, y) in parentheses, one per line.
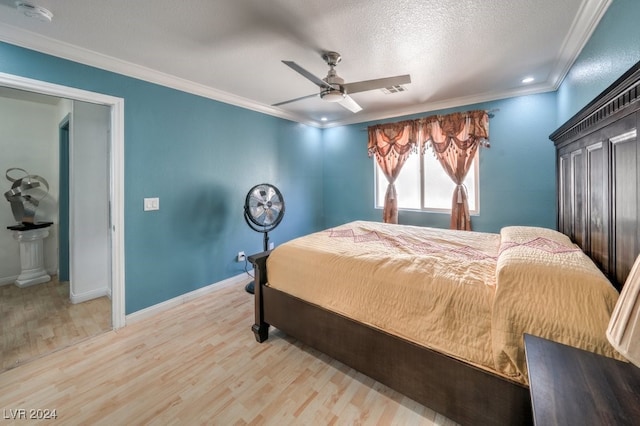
(151, 204)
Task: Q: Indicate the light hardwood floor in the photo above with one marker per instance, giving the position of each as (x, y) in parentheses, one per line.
(40, 319)
(198, 363)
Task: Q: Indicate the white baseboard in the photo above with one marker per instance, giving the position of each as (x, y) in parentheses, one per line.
(8, 280)
(184, 298)
(89, 295)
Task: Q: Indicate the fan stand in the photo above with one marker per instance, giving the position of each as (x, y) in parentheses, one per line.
(266, 202)
(251, 287)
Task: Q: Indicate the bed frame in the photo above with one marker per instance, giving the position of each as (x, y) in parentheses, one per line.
(459, 391)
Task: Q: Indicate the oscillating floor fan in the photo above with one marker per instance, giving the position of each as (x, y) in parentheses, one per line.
(263, 211)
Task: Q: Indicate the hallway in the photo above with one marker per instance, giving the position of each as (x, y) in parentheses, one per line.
(38, 320)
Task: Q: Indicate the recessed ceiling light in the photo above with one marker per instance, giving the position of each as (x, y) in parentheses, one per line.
(527, 80)
(34, 11)
(323, 119)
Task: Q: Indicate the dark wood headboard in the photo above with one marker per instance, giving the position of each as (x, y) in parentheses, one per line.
(597, 158)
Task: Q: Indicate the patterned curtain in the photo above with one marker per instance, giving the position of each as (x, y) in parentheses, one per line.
(392, 144)
(455, 138)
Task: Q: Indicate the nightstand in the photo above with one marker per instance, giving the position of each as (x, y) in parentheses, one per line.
(570, 386)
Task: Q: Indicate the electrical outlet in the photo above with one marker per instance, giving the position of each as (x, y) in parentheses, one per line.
(271, 246)
(241, 257)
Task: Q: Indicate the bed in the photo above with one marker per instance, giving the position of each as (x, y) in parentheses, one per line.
(484, 379)
(451, 297)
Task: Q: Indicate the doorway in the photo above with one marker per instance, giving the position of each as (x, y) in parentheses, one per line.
(114, 155)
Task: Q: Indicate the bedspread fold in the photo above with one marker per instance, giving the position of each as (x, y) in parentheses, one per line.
(548, 287)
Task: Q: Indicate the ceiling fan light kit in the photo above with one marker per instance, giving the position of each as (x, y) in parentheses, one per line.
(332, 95)
(334, 89)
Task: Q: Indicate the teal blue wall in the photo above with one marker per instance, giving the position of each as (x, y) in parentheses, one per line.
(517, 174)
(200, 157)
(612, 49)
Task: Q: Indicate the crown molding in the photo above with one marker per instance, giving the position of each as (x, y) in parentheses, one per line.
(618, 100)
(587, 19)
(33, 41)
(583, 26)
(445, 104)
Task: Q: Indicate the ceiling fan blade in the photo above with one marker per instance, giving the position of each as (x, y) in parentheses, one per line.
(318, 81)
(296, 99)
(378, 83)
(350, 104)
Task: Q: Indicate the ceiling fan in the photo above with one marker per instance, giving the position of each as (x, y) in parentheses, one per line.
(334, 89)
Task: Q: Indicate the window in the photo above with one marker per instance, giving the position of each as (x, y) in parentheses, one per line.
(424, 185)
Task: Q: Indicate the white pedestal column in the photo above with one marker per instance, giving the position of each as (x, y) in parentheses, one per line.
(31, 257)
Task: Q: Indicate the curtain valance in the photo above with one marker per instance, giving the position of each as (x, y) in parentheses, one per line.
(458, 130)
(393, 139)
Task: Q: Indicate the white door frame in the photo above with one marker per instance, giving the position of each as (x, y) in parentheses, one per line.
(116, 173)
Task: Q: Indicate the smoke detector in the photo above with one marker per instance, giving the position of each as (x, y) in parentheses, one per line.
(34, 11)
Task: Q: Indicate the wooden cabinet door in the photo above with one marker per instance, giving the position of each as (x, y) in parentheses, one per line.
(597, 204)
(578, 199)
(572, 208)
(624, 192)
(564, 196)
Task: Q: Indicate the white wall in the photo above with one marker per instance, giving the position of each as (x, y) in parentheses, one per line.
(89, 194)
(29, 140)
(29, 132)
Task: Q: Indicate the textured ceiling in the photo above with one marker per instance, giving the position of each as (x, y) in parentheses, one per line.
(457, 52)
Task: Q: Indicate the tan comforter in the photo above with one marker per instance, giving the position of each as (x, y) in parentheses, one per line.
(548, 287)
(433, 287)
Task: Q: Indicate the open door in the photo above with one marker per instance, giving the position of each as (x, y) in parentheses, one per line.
(89, 180)
(63, 203)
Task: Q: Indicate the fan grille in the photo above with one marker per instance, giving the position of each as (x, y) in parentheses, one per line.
(264, 206)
